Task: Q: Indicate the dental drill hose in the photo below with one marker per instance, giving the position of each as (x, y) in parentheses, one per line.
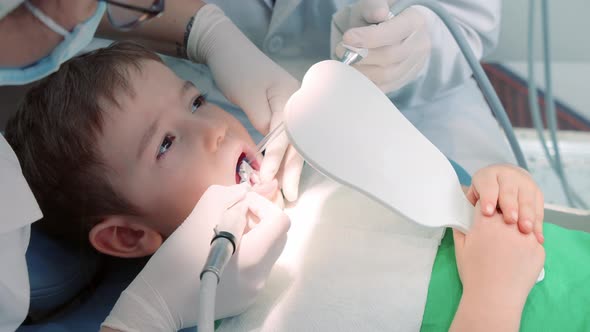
(224, 244)
(572, 197)
(221, 251)
(478, 71)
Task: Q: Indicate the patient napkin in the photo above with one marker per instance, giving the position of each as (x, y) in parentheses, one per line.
(349, 264)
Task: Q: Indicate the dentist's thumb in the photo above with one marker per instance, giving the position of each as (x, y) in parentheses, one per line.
(264, 242)
(369, 14)
(374, 11)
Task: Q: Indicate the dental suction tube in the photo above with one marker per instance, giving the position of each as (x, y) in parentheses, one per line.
(478, 72)
(572, 197)
(222, 248)
(225, 242)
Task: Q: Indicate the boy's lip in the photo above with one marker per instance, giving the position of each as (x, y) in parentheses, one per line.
(250, 154)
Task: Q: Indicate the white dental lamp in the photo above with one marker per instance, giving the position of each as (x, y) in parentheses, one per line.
(346, 128)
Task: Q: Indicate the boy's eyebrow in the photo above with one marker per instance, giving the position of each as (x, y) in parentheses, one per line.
(146, 138)
(186, 86)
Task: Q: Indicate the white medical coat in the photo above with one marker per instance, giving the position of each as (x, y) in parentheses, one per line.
(18, 209)
(444, 103)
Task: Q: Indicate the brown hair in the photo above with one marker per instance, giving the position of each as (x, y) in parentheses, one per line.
(54, 132)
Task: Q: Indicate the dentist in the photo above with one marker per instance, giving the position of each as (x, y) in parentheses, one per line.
(38, 35)
(413, 58)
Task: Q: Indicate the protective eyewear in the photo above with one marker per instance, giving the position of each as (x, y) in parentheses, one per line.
(127, 14)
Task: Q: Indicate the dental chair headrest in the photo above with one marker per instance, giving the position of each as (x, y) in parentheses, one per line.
(57, 273)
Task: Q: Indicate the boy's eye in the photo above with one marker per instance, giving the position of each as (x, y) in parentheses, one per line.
(165, 145)
(198, 102)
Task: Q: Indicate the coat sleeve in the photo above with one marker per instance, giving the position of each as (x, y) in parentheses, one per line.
(447, 69)
(14, 278)
(18, 210)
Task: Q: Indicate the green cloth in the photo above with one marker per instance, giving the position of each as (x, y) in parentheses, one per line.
(561, 302)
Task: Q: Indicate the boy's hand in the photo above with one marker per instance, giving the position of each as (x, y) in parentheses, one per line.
(513, 191)
(496, 262)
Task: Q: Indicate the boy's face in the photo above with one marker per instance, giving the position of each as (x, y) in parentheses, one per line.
(164, 146)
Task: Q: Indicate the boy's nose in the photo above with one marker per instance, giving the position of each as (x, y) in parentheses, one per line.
(215, 135)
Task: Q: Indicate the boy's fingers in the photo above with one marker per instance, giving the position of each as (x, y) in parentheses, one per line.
(508, 201)
(459, 239)
(488, 190)
(527, 209)
(540, 215)
(471, 194)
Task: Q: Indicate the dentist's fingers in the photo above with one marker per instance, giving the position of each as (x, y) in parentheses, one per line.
(374, 11)
(265, 242)
(291, 174)
(384, 56)
(268, 213)
(390, 32)
(234, 219)
(266, 189)
(273, 157)
(226, 196)
(395, 76)
(275, 152)
(539, 216)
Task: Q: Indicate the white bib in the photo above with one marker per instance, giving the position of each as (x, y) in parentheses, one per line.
(349, 265)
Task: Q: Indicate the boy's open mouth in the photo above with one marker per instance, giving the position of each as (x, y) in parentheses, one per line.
(252, 163)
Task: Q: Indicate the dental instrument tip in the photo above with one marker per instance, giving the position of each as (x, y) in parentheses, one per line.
(350, 58)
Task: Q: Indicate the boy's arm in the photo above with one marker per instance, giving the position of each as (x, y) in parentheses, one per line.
(498, 266)
(480, 314)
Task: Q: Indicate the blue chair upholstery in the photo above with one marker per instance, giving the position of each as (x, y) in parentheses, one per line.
(58, 275)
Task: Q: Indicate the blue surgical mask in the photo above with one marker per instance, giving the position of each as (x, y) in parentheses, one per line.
(73, 43)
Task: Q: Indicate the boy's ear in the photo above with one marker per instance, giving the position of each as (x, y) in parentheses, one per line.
(118, 236)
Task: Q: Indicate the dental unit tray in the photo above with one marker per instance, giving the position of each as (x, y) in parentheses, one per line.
(346, 128)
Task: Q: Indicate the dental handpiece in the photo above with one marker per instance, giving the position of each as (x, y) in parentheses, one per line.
(353, 54)
(271, 136)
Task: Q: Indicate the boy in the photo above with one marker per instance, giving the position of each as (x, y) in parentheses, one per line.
(141, 146)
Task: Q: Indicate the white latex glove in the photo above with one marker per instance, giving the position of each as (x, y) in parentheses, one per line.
(248, 78)
(164, 296)
(399, 48)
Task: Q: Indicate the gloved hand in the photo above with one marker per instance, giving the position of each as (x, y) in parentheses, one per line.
(399, 48)
(251, 80)
(164, 296)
